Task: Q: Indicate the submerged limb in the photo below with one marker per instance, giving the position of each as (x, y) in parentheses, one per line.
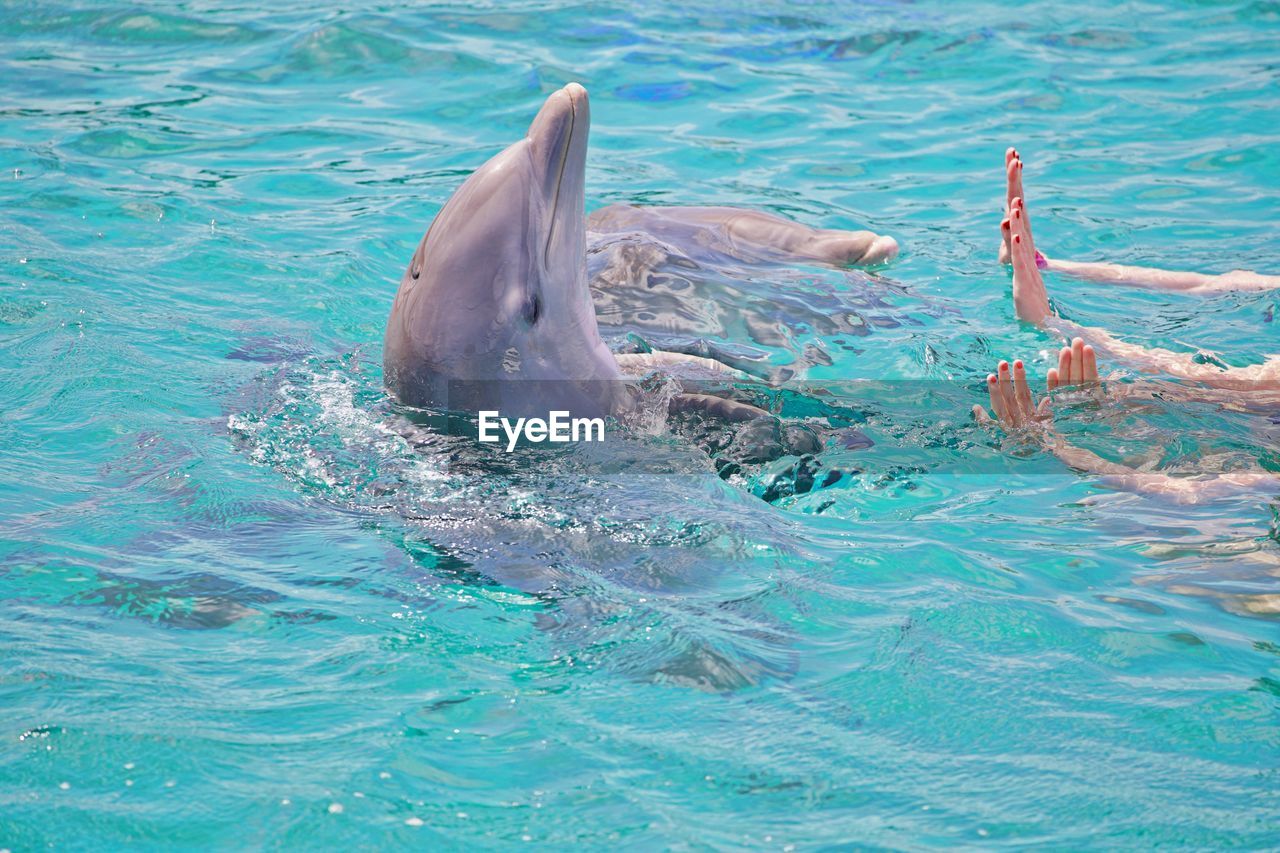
(1031, 303)
(1264, 377)
(1158, 279)
(1014, 410)
(1183, 490)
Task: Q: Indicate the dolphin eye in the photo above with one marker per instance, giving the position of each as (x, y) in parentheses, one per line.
(532, 309)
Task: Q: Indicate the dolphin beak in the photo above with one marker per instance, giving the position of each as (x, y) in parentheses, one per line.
(556, 127)
(558, 138)
(882, 249)
(558, 134)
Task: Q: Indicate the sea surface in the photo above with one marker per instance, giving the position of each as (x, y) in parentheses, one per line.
(244, 605)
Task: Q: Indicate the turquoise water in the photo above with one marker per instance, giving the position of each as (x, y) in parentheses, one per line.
(239, 609)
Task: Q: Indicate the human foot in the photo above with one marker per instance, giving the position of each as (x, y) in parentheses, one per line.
(1010, 398)
(1013, 189)
(1010, 395)
(1013, 177)
(1030, 301)
(1077, 365)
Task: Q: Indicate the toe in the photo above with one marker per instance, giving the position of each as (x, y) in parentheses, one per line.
(1008, 396)
(1022, 391)
(995, 397)
(1090, 364)
(1077, 361)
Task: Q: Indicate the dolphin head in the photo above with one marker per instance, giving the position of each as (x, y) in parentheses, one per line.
(497, 290)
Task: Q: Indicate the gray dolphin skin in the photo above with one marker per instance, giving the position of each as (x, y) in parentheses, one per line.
(496, 294)
(748, 235)
(495, 310)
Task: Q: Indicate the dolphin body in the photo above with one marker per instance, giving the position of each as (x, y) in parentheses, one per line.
(496, 294)
(495, 310)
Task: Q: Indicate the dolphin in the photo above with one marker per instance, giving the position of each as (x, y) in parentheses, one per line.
(494, 310)
(753, 236)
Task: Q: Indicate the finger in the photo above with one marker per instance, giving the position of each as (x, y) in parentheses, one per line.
(1064, 366)
(1045, 410)
(1051, 380)
(997, 401)
(1007, 394)
(1090, 364)
(1077, 361)
(980, 415)
(1021, 390)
